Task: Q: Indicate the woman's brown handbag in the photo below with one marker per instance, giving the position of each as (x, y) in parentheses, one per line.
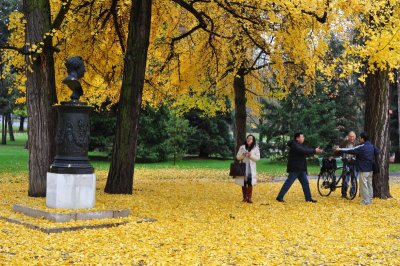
(237, 169)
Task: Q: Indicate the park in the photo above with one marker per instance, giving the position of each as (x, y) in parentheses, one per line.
(122, 120)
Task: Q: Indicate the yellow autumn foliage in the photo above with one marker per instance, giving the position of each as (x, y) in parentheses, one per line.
(198, 71)
(198, 66)
(202, 221)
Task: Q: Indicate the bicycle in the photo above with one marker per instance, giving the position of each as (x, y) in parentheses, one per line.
(327, 182)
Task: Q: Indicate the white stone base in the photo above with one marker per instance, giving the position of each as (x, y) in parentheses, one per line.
(70, 191)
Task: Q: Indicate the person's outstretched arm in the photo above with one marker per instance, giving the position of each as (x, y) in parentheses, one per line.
(299, 149)
(355, 151)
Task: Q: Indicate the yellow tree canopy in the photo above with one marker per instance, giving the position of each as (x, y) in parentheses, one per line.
(196, 49)
(370, 34)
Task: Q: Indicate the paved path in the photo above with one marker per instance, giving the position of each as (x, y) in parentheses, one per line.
(395, 175)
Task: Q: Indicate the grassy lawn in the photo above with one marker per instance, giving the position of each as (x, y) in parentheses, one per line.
(14, 159)
(13, 156)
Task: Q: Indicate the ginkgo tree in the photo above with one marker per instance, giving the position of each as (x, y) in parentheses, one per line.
(202, 52)
(381, 49)
(370, 33)
(36, 48)
(213, 41)
(293, 55)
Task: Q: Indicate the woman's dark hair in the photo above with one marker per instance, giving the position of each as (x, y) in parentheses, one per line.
(252, 144)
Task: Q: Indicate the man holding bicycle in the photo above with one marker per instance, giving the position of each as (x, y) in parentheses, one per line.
(349, 162)
(365, 156)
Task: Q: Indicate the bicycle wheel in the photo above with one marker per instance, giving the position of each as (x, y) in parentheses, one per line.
(324, 183)
(352, 188)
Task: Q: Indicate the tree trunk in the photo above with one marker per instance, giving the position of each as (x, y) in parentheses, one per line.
(21, 123)
(3, 130)
(120, 176)
(377, 125)
(2, 110)
(261, 135)
(41, 95)
(10, 127)
(397, 158)
(239, 88)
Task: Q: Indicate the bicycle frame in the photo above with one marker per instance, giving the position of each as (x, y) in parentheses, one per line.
(328, 182)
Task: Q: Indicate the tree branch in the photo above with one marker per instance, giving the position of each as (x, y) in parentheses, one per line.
(173, 41)
(21, 50)
(252, 92)
(83, 5)
(255, 60)
(196, 1)
(202, 25)
(236, 14)
(321, 19)
(184, 35)
(55, 25)
(61, 15)
(189, 7)
(117, 26)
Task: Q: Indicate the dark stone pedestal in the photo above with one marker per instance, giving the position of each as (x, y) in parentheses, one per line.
(72, 139)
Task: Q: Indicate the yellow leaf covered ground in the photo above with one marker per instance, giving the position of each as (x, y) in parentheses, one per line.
(202, 221)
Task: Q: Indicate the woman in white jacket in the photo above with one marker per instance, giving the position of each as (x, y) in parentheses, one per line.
(249, 153)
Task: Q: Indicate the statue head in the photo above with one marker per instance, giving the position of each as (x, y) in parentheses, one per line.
(75, 67)
(76, 70)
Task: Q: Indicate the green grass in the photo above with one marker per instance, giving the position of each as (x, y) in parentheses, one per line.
(14, 159)
(13, 156)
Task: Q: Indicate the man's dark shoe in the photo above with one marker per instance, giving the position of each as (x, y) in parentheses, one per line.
(280, 200)
(312, 200)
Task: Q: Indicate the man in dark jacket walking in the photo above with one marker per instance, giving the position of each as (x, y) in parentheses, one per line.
(297, 167)
(365, 158)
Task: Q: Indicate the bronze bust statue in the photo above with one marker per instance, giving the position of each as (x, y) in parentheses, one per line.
(75, 69)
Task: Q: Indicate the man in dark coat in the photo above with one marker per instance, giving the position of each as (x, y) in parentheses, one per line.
(297, 167)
